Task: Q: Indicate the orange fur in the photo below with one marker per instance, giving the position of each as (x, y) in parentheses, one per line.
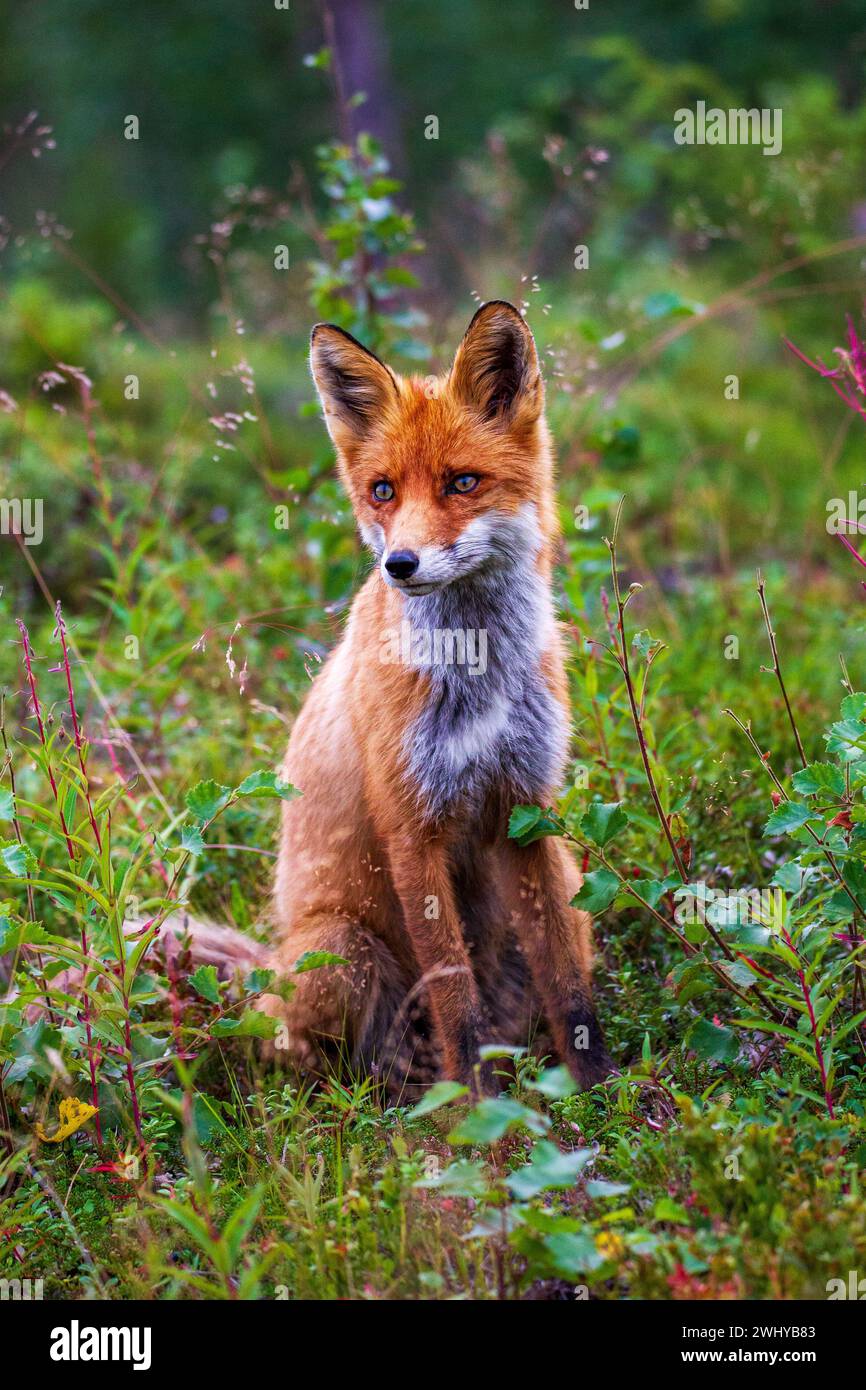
(359, 861)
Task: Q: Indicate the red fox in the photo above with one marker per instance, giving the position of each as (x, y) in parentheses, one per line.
(442, 707)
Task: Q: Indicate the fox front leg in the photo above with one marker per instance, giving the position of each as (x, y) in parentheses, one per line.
(421, 872)
(556, 939)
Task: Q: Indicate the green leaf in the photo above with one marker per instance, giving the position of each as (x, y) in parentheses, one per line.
(666, 1209)
(643, 643)
(314, 960)
(258, 980)
(790, 815)
(600, 887)
(791, 877)
(491, 1119)
(494, 1052)
(251, 1024)
(739, 973)
(32, 1047)
(206, 800)
(241, 1222)
(463, 1178)
(600, 1187)
(14, 936)
(603, 822)
(852, 1023)
(780, 948)
(263, 783)
(557, 1083)
(548, 1167)
(18, 859)
(853, 705)
(205, 1112)
(711, 1043)
(573, 1253)
(205, 983)
(662, 304)
(7, 804)
(847, 739)
(442, 1093)
(819, 777)
(529, 823)
(652, 891)
(766, 1025)
(190, 838)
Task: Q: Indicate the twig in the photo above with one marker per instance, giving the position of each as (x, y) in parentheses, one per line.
(623, 662)
(688, 948)
(828, 854)
(777, 670)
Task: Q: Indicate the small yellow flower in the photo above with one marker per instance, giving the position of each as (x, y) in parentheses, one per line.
(610, 1245)
(73, 1114)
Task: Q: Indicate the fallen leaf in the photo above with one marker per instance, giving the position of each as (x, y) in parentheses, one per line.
(73, 1114)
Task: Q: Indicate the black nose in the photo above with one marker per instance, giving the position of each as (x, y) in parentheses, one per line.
(401, 563)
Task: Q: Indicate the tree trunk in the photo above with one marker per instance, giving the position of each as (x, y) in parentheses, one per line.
(355, 32)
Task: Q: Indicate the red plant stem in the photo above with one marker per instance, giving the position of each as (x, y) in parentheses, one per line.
(174, 1001)
(834, 374)
(91, 1060)
(79, 747)
(819, 1051)
(34, 699)
(19, 836)
(130, 1074)
(5, 1122)
(848, 546)
(176, 1013)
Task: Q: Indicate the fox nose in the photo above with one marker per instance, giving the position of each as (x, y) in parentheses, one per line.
(400, 564)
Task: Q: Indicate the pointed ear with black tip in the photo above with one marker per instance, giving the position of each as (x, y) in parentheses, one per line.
(496, 368)
(355, 388)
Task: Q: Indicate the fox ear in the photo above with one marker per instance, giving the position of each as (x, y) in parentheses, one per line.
(353, 385)
(496, 367)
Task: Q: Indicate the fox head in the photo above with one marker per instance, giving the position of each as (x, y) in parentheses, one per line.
(449, 477)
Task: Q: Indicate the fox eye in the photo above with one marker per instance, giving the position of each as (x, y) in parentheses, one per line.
(464, 482)
(382, 491)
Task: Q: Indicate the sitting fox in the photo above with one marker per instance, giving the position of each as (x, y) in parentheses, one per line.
(396, 856)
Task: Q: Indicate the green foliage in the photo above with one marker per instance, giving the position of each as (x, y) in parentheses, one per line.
(206, 555)
(356, 287)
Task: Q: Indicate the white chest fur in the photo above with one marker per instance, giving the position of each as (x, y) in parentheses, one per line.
(490, 719)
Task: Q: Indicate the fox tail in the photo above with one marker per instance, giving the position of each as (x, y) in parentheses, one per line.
(208, 943)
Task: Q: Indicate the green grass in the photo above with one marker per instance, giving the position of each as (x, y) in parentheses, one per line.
(204, 571)
(335, 1178)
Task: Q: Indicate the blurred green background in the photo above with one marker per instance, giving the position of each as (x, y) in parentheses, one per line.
(181, 271)
(223, 97)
